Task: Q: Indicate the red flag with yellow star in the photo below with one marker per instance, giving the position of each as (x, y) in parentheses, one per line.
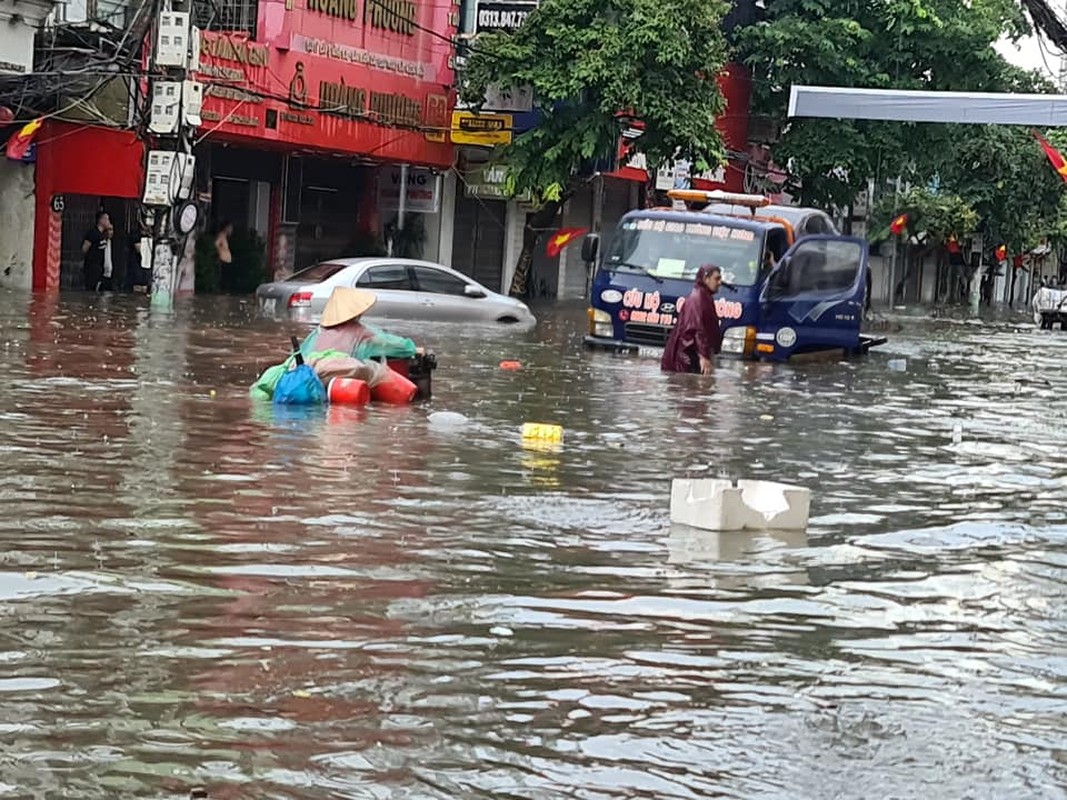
(1054, 156)
(561, 239)
(1002, 253)
(898, 225)
(20, 140)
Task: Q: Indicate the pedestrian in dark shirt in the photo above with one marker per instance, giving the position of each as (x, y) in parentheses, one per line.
(96, 247)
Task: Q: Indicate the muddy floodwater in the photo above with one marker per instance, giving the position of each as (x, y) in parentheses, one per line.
(406, 603)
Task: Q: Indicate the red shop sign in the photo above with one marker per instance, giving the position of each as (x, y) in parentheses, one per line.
(328, 77)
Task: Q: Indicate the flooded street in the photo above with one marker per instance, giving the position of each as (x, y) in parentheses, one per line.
(384, 604)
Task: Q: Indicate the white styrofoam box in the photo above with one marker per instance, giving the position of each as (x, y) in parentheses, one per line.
(719, 505)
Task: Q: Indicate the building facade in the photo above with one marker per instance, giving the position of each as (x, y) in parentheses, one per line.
(325, 131)
(325, 126)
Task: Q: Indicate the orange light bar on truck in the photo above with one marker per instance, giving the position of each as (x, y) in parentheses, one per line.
(717, 196)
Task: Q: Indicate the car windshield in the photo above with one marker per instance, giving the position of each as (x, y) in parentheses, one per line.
(672, 249)
(317, 273)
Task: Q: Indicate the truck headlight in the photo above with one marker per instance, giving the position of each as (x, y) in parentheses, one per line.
(600, 324)
(738, 340)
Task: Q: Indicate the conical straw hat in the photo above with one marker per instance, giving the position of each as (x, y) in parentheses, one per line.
(346, 304)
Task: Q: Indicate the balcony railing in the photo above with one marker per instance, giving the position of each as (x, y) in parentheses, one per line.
(226, 15)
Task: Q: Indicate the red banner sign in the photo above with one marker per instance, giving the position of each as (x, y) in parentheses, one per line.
(367, 77)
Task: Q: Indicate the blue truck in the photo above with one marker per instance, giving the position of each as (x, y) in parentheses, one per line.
(792, 285)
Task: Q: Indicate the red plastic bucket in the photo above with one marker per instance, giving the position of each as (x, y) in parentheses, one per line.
(348, 392)
(394, 388)
(400, 365)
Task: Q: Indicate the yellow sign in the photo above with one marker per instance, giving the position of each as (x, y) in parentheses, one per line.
(485, 130)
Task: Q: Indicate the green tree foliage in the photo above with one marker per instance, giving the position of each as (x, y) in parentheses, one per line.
(933, 217)
(1007, 178)
(940, 45)
(588, 62)
(999, 184)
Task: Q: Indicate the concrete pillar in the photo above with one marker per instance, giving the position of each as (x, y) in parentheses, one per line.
(514, 223)
(447, 218)
(18, 210)
(431, 224)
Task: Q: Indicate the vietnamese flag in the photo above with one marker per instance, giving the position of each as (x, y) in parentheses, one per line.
(897, 226)
(1054, 156)
(561, 239)
(19, 142)
(1002, 253)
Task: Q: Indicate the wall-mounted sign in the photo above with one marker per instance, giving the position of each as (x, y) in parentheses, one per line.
(334, 86)
(484, 130)
(489, 182)
(502, 15)
(357, 55)
(58, 203)
(16, 41)
(236, 51)
(423, 194)
(396, 16)
(517, 98)
(679, 175)
(340, 9)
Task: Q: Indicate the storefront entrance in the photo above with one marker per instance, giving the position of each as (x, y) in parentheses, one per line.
(79, 217)
(478, 239)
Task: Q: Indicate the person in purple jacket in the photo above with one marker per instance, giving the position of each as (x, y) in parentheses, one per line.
(696, 337)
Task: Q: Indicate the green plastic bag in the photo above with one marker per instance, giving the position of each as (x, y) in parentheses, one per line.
(382, 345)
(263, 388)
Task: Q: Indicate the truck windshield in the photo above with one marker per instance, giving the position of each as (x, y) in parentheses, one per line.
(672, 249)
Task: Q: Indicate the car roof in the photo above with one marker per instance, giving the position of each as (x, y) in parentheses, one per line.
(366, 261)
(362, 262)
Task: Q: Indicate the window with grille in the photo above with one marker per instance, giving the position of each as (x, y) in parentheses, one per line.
(226, 15)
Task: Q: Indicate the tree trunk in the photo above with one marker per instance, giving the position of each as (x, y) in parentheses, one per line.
(975, 297)
(902, 285)
(531, 235)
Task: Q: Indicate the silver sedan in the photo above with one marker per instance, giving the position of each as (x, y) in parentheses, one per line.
(406, 289)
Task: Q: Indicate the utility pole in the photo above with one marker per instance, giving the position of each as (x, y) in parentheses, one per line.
(170, 212)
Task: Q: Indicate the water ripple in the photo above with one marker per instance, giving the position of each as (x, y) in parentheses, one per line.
(376, 604)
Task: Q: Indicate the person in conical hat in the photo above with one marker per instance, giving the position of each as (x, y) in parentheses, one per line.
(346, 304)
(340, 327)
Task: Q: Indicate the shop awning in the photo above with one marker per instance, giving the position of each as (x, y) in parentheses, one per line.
(1042, 110)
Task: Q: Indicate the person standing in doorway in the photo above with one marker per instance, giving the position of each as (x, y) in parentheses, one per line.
(96, 247)
(222, 246)
(106, 282)
(138, 279)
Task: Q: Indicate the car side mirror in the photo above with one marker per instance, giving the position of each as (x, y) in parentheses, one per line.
(590, 247)
(473, 291)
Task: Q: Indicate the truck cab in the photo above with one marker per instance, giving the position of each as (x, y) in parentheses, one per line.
(792, 285)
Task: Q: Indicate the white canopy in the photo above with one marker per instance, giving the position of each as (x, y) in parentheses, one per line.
(1041, 110)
